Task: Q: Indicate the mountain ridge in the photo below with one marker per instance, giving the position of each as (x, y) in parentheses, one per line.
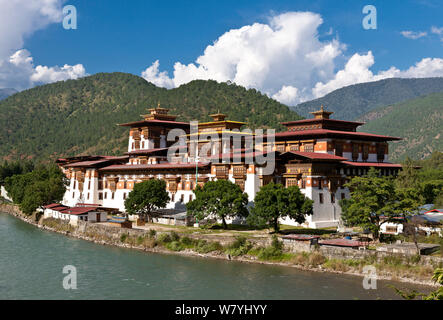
(79, 116)
(418, 121)
(6, 92)
(354, 101)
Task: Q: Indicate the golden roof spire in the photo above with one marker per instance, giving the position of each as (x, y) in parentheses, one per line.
(322, 113)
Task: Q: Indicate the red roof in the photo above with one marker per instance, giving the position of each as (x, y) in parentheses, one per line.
(327, 132)
(94, 161)
(434, 211)
(86, 163)
(148, 122)
(78, 210)
(373, 164)
(154, 166)
(342, 243)
(316, 155)
(322, 120)
(52, 205)
(146, 151)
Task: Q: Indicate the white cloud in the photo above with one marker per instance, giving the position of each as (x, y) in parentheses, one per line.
(436, 30)
(20, 73)
(357, 70)
(414, 35)
(18, 20)
(160, 79)
(284, 58)
(287, 94)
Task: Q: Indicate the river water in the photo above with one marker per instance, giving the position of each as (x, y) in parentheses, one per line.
(32, 260)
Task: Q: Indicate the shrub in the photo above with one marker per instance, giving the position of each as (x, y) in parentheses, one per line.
(187, 241)
(164, 238)
(316, 259)
(240, 246)
(393, 260)
(270, 253)
(301, 259)
(205, 247)
(273, 252)
(148, 242)
(337, 265)
(174, 236)
(175, 246)
(123, 237)
(152, 233)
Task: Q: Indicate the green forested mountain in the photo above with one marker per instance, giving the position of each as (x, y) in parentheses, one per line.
(6, 92)
(419, 121)
(80, 116)
(352, 102)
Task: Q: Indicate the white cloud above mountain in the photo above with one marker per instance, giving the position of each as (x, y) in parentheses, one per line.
(286, 59)
(414, 35)
(20, 19)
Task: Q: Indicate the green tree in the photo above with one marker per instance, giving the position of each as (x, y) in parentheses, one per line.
(274, 201)
(221, 198)
(147, 197)
(372, 202)
(408, 176)
(37, 188)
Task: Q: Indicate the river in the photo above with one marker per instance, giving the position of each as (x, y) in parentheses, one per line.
(32, 260)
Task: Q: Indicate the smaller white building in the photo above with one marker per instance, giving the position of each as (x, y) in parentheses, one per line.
(74, 214)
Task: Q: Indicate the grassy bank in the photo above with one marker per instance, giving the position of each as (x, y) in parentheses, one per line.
(394, 266)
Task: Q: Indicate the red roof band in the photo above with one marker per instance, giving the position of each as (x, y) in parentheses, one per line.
(327, 132)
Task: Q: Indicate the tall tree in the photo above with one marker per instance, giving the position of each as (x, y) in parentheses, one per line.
(146, 197)
(376, 200)
(371, 204)
(222, 199)
(274, 201)
(37, 188)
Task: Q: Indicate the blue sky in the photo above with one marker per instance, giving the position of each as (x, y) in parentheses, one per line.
(129, 36)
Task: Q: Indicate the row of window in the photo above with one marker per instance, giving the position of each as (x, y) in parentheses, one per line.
(104, 195)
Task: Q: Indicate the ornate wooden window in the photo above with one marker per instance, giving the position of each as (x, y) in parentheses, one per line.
(309, 147)
(239, 171)
(354, 151)
(280, 147)
(264, 180)
(221, 172)
(294, 147)
(380, 152)
(291, 182)
(365, 153)
(112, 183)
(172, 186)
(240, 183)
(339, 149)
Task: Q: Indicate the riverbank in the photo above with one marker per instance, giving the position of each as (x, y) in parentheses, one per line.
(261, 251)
